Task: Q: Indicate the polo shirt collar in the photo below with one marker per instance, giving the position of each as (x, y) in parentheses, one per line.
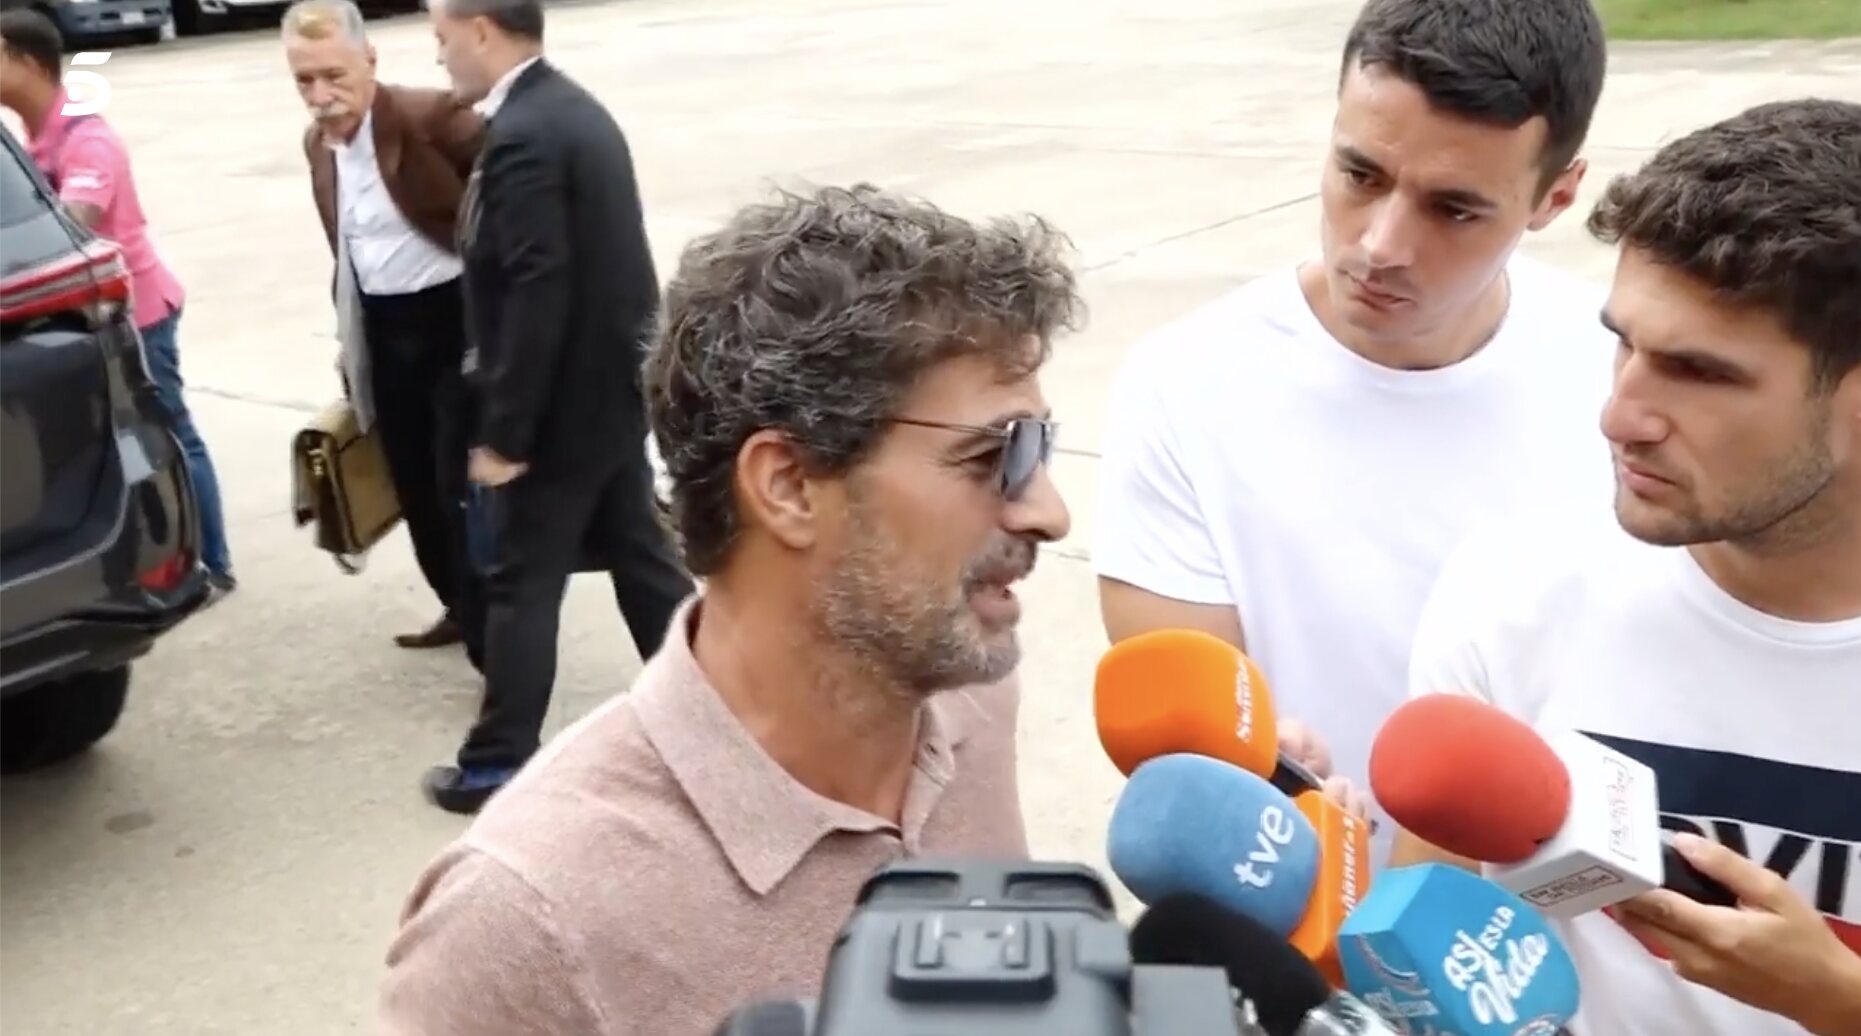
(765, 821)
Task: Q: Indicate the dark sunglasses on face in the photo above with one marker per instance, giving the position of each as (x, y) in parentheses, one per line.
(1027, 445)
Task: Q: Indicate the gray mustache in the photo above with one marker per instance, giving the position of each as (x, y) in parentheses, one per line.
(1013, 560)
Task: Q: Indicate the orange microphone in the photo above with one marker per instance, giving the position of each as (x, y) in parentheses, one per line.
(1186, 691)
(1170, 691)
(1343, 879)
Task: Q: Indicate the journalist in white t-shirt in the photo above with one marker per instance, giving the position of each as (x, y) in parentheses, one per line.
(1287, 467)
(1710, 627)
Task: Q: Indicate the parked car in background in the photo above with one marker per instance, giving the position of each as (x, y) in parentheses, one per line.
(99, 530)
(198, 16)
(83, 21)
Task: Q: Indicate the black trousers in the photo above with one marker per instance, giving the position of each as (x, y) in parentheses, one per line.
(415, 343)
(546, 527)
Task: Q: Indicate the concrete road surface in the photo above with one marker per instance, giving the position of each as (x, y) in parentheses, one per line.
(233, 858)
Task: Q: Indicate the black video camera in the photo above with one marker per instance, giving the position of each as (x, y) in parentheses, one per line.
(972, 948)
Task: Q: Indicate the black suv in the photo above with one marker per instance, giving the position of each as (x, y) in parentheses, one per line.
(99, 547)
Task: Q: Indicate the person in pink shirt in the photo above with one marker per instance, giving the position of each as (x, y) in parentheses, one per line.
(88, 165)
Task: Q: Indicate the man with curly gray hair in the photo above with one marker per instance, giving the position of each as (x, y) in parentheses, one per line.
(845, 390)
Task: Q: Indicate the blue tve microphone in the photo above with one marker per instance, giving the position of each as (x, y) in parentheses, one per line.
(1437, 945)
(1191, 825)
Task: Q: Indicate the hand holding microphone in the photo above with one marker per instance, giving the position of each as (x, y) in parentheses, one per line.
(1774, 951)
(1569, 824)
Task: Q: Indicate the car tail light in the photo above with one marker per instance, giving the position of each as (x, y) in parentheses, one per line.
(167, 575)
(94, 281)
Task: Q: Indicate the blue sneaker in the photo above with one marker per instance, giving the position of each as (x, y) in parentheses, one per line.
(464, 791)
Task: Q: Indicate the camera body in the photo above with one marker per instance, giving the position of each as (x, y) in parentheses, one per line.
(979, 948)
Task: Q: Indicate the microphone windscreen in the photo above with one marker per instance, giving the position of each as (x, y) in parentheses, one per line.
(1464, 776)
(1435, 940)
(1190, 824)
(1178, 690)
(1343, 878)
(1197, 931)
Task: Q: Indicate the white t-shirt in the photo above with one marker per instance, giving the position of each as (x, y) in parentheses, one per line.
(1752, 724)
(1251, 459)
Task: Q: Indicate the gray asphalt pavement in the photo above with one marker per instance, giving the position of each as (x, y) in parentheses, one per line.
(233, 858)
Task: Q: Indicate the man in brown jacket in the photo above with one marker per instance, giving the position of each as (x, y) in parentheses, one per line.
(388, 168)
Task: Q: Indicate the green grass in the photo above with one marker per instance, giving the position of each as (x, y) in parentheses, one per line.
(1730, 19)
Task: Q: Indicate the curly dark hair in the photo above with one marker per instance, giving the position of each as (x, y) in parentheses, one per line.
(1765, 207)
(1500, 62)
(815, 314)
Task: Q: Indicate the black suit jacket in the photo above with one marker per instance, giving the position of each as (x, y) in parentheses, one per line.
(559, 280)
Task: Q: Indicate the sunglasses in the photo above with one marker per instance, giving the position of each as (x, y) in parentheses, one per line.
(1027, 445)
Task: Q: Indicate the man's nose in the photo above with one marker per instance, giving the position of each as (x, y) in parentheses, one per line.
(1389, 238)
(319, 92)
(1629, 417)
(1041, 511)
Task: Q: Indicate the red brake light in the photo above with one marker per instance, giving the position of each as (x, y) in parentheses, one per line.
(93, 280)
(167, 574)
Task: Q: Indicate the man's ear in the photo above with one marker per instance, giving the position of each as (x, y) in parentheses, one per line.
(1561, 195)
(775, 492)
(371, 56)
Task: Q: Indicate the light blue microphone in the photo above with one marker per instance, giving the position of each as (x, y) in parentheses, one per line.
(1191, 825)
(1437, 949)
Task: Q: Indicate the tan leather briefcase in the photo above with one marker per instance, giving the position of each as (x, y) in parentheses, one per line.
(340, 482)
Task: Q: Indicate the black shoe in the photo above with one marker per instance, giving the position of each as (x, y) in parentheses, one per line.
(463, 791)
(443, 633)
(222, 582)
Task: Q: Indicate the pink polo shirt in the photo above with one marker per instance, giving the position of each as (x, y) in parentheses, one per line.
(653, 868)
(87, 163)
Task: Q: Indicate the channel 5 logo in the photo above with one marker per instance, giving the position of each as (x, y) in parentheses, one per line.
(87, 91)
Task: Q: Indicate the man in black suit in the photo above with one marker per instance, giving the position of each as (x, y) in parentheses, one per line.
(561, 293)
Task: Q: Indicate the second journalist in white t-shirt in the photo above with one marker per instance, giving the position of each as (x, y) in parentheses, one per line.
(1287, 467)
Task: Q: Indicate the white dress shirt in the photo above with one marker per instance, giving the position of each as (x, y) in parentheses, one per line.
(390, 256)
(494, 98)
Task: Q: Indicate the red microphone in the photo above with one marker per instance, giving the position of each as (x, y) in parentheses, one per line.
(1567, 824)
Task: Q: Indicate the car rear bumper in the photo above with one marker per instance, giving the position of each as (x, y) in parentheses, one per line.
(241, 7)
(100, 595)
(100, 639)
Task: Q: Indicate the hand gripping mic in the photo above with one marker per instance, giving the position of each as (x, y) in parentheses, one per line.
(1569, 824)
(1436, 949)
(1186, 691)
(1281, 993)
